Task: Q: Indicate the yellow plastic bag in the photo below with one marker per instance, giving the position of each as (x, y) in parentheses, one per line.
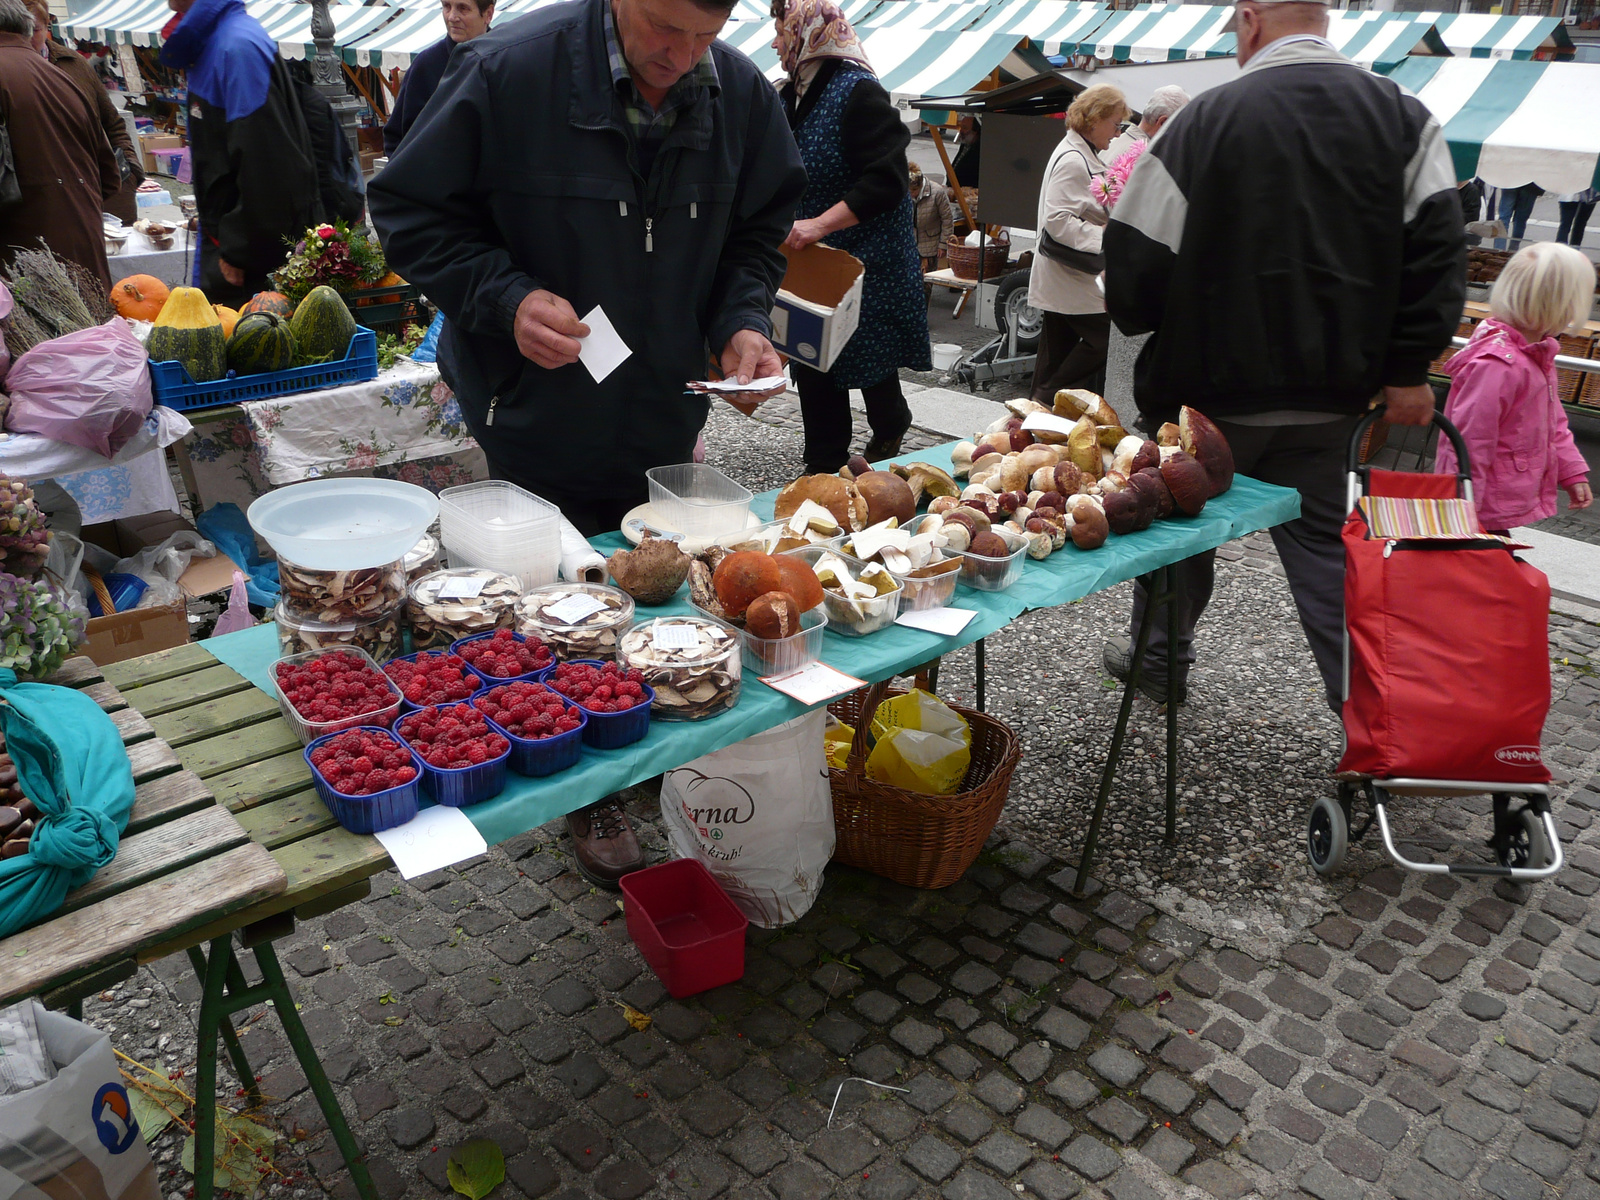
(836, 739)
(923, 745)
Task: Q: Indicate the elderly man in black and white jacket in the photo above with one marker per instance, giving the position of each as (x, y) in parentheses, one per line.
(1294, 240)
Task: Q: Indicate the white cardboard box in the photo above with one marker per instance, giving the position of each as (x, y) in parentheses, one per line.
(818, 305)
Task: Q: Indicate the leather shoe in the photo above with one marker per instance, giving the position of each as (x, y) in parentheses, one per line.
(603, 843)
(1117, 658)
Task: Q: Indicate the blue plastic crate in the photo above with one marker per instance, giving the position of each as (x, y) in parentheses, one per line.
(368, 814)
(170, 383)
(461, 786)
(611, 731)
(537, 757)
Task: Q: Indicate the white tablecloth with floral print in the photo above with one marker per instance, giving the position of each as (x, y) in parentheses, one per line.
(405, 424)
(135, 482)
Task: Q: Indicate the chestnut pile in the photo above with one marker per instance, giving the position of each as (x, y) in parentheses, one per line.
(1088, 483)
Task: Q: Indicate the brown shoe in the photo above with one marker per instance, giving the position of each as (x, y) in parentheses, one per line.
(604, 843)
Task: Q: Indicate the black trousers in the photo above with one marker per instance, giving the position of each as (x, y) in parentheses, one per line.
(1310, 459)
(825, 409)
(1072, 350)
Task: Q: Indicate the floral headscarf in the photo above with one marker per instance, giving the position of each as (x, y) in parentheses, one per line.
(815, 30)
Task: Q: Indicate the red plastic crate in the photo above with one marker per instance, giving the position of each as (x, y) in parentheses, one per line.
(688, 930)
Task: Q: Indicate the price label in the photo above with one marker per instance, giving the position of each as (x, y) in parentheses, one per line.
(574, 608)
(675, 637)
(462, 587)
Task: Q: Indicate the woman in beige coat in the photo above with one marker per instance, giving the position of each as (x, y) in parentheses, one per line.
(1072, 343)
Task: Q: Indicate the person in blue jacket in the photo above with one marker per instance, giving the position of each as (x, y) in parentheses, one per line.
(463, 21)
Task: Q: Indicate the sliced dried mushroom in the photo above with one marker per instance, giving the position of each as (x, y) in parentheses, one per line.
(379, 636)
(335, 596)
(697, 679)
(459, 602)
(576, 620)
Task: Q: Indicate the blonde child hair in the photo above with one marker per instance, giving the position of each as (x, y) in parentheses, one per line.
(1546, 288)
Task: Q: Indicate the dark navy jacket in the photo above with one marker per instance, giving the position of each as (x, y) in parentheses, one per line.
(416, 89)
(520, 175)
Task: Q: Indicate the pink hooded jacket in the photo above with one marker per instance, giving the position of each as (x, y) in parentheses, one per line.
(1503, 400)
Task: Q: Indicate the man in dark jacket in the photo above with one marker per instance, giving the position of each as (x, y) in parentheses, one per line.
(1294, 239)
(463, 21)
(255, 178)
(600, 152)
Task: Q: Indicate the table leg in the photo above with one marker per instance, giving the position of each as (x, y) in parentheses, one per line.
(213, 1005)
(1172, 708)
(978, 652)
(230, 1036)
(1157, 586)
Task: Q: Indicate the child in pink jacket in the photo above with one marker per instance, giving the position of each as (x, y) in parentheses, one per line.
(1503, 395)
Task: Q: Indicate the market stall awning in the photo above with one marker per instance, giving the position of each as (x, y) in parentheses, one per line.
(130, 22)
(1482, 35)
(1158, 33)
(290, 25)
(1512, 123)
(413, 31)
(1051, 25)
(1381, 40)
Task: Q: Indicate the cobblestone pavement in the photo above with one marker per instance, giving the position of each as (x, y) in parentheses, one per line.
(1210, 1020)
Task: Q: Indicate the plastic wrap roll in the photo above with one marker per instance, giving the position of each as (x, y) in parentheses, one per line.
(580, 563)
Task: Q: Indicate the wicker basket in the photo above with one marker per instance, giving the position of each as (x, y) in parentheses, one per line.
(915, 839)
(1576, 387)
(964, 259)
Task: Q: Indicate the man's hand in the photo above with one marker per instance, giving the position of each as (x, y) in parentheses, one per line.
(547, 330)
(231, 273)
(749, 355)
(1408, 405)
(1579, 496)
(806, 232)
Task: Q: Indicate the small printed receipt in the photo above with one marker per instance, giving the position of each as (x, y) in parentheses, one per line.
(462, 587)
(574, 608)
(433, 839)
(948, 621)
(675, 637)
(603, 351)
(813, 683)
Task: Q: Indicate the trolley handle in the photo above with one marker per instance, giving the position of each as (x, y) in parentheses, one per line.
(1358, 470)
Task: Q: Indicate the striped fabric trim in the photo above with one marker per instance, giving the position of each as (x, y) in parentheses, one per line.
(1399, 517)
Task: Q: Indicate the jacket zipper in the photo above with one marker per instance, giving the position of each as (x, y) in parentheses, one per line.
(493, 400)
(1437, 544)
(649, 241)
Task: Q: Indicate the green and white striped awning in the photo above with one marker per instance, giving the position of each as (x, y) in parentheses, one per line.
(1158, 33)
(413, 31)
(1482, 35)
(290, 24)
(128, 22)
(1512, 122)
(1381, 40)
(1052, 25)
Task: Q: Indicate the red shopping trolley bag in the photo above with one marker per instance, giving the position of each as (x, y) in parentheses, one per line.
(1446, 642)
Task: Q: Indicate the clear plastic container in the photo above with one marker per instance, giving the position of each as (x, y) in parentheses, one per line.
(985, 574)
(497, 525)
(338, 596)
(424, 558)
(341, 524)
(779, 656)
(852, 618)
(437, 617)
(697, 501)
(556, 614)
(919, 592)
(377, 636)
(768, 537)
(692, 682)
(308, 730)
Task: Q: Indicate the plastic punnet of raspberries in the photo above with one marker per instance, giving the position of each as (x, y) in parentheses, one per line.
(24, 532)
(452, 737)
(505, 655)
(528, 710)
(604, 689)
(363, 762)
(436, 678)
(337, 686)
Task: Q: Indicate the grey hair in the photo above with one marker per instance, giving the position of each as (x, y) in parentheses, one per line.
(1163, 102)
(15, 18)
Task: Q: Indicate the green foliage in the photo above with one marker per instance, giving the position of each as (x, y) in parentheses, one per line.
(476, 1168)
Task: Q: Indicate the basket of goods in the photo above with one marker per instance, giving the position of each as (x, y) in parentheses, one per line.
(351, 262)
(994, 253)
(918, 838)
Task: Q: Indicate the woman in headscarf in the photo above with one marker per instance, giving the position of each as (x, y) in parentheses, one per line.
(853, 144)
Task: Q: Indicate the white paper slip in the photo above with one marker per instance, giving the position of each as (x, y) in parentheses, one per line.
(603, 351)
(435, 838)
(675, 637)
(948, 621)
(813, 683)
(574, 608)
(461, 587)
(733, 385)
(1047, 421)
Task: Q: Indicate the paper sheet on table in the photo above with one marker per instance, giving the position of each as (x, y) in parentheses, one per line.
(435, 838)
(733, 385)
(603, 351)
(947, 621)
(813, 683)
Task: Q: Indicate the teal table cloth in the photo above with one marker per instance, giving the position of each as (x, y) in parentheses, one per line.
(1067, 575)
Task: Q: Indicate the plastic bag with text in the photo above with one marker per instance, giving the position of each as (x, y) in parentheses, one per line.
(923, 745)
(90, 388)
(759, 816)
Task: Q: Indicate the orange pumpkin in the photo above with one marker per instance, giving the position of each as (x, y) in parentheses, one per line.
(229, 316)
(375, 293)
(272, 302)
(139, 297)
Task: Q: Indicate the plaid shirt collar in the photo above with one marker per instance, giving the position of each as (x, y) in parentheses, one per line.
(641, 117)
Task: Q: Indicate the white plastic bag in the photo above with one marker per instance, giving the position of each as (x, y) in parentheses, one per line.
(162, 566)
(75, 1134)
(90, 388)
(759, 816)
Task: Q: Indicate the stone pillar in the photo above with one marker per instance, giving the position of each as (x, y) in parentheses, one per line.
(327, 71)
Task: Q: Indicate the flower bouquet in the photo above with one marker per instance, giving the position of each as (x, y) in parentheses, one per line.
(344, 258)
(1107, 188)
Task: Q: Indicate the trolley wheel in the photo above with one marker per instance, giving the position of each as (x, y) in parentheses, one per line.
(1011, 306)
(1327, 835)
(1527, 845)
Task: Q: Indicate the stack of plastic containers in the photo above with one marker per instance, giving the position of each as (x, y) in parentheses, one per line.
(498, 525)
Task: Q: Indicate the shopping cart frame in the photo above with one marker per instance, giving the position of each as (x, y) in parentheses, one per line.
(1525, 841)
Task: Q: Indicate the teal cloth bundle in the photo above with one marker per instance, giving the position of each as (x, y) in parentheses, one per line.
(71, 764)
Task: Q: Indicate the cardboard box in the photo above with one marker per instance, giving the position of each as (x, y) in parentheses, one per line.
(138, 631)
(818, 306)
(157, 141)
(129, 535)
